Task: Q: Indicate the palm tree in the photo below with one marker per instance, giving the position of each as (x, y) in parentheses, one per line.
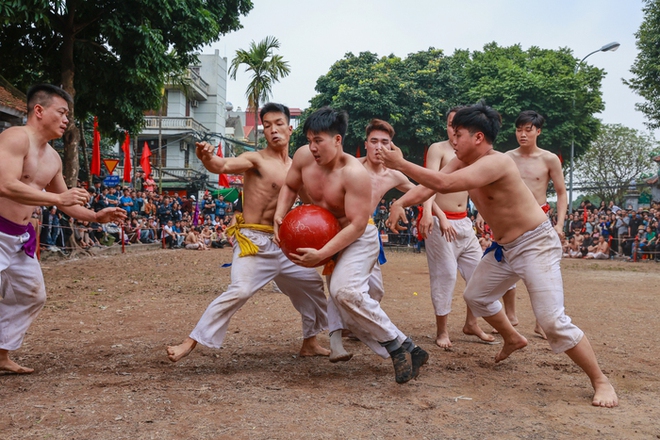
(267, 68)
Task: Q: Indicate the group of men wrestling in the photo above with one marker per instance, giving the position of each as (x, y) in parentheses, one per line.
(321, 173)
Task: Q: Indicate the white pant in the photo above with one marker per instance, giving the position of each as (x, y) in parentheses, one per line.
(533, 257)
(303, 286)
(22, 291)
(376, 291)
(349, 291)
(444, 259)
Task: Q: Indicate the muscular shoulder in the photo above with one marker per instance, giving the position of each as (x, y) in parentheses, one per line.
(353, 169)
(15, 138)
(550, 158)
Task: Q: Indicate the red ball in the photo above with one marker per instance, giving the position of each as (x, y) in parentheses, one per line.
(307, 226)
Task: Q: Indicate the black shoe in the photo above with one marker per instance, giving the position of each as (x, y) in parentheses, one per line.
(402, 369)
(419, 357)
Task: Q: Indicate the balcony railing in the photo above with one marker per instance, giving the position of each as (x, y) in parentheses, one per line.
(172, 123)
(198, 81)
(170, 174)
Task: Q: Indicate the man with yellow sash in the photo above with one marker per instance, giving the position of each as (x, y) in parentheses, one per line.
(257, 260)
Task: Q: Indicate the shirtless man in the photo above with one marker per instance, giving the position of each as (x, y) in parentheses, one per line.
(529, 248)
(337, 181)
(257, 260)
(537, 168)
(28, 166)
(600, 251)
(451, 245)
(379, 134)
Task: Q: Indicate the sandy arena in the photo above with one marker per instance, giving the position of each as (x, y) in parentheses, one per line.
(98, 348)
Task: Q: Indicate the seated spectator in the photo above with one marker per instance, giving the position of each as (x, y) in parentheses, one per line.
(572, 250)
(599, 251)
(193, 241)
(648, 243)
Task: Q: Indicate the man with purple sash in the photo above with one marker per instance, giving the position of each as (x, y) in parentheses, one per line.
(31, 175)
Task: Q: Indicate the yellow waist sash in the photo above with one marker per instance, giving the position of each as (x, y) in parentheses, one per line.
(245, 244)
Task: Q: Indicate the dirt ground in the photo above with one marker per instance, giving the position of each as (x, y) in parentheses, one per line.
(98, 348)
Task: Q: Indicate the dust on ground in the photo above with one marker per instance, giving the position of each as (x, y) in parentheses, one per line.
(98, 348)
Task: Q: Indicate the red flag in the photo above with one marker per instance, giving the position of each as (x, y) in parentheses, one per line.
(426, 150)
(357, 153)
(145, 162)
(223, 181)
(126, 148)
(95, 167)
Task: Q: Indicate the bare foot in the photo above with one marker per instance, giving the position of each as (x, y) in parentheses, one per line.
(605, 395)
(539, 331)
(7, 364)
(177, 352)
(311, 347)
(475, 330)
(509, 347)
(443, 341)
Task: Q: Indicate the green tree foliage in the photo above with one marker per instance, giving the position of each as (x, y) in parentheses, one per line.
(266, 69)
(512, 80)
(617, 157)
(414, 93)
(646, 69)
(408, 93)
(111, 56)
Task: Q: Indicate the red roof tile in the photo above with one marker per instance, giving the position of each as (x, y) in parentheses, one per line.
(9, 100)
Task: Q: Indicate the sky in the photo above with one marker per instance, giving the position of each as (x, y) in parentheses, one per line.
(314, 34)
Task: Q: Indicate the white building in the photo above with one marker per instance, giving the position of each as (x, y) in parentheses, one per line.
(188, 116)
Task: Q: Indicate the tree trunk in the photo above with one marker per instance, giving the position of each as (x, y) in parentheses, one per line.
(71, 135)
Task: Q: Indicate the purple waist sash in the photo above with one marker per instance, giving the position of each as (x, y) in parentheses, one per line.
(10, 228)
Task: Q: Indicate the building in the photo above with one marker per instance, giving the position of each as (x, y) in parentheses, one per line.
(189, 114)
(13, 106)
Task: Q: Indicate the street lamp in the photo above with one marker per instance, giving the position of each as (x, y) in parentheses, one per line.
(611, 47)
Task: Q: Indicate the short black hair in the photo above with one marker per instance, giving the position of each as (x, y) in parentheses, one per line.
(42, 94)
(327, 120)
(530, 116)
(479, 118)
(273, 107)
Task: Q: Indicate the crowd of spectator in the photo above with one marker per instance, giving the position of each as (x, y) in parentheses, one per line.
(181, 221)
(176, 220)
(608, 231)
(599, 232)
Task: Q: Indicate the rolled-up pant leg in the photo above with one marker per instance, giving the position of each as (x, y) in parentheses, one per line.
(442, 261)
(22, 291)
(248, 275)
(537, 262)
(349, 286)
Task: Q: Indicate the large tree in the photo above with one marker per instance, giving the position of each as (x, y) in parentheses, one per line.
(266, 68)
(617, 157)
(409, 93)
(111, 56)
(646, 69)
(511, 80)
(414, 93)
